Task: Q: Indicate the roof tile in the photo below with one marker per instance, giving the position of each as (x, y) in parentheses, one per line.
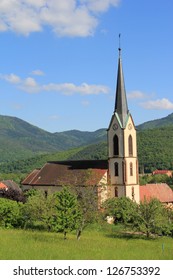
(160, 191)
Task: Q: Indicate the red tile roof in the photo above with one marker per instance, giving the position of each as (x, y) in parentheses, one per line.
(67, 173)
(12, 185)
(161, 171)
(3, 186)
(160, 191)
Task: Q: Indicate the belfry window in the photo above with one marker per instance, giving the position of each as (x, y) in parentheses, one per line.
(131, 169)
(116, 168)
(116, 145)
(130, 145)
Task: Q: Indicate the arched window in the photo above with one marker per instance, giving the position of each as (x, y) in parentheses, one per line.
(116, 145)
(116, 191)
(131, 169)
(124, 173)
(116, 168)
(133, 193)
(130, 145)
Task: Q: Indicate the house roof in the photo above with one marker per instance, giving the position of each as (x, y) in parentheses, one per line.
(85, 172)
(12, 185)
(2, 186)
(161, 171)
(160, 191)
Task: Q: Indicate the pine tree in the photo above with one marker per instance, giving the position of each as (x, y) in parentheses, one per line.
(68, 215)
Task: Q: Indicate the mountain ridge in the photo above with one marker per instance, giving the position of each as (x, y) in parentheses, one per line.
(165, 121)
(21, 140)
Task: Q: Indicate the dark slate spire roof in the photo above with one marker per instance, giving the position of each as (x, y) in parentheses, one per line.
(121, 107)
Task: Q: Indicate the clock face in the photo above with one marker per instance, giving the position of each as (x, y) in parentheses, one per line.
(115, 126)
(130, 126)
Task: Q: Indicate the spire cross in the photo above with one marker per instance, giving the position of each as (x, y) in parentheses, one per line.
(119, 49)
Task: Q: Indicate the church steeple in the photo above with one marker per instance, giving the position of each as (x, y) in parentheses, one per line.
(122, 145)
(121, 107)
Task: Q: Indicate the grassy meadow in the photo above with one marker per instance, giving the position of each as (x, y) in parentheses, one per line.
(94, 244)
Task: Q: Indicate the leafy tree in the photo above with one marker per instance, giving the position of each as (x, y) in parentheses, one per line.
(88, 204)
(150, 217)
(122, 209)
(10, 213)
(31, 192)
(39, 208)
(68, 215)
(13, 194)
(167, 228)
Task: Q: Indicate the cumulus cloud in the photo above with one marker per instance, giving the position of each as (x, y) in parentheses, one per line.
(66, 18)
(30, 85)
(136, 95)
(12, 78)
(159, 104)
(70, 88)
(100, 5)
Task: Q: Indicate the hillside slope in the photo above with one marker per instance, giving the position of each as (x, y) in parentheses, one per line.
(21, 140)
(166, 121)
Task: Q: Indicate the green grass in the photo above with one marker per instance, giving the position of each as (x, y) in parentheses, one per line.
(93, 245)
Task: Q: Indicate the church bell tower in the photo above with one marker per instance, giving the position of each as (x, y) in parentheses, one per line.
(122, 146)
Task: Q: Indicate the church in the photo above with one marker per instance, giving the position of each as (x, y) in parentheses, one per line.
(115, 177)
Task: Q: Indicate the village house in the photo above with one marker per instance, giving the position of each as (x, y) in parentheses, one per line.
(160, 191)
(115, 177)
(9, 189)
(162, 172)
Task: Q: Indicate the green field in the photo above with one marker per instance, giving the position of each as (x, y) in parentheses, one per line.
(93, 245)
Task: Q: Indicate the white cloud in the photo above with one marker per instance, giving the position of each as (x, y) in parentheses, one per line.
(30, 85)
(100, 5)
(37, 72)
(70, 88)
(12, 78)
(66, 18)
(136, 94)
(159, 104)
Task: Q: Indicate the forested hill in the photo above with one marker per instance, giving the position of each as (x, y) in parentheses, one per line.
(155, 151)
(21, 140)
(166, 121)
(21, 143)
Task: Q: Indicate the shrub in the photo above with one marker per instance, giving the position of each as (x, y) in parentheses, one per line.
(10, 213)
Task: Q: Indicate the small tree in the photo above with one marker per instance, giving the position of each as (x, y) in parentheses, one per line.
(88, 204)
(10, 213)
(39, 208)
(122, 209)
(68, 215)
(150, 217)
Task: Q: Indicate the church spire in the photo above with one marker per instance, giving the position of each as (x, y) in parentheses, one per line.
(121, 107)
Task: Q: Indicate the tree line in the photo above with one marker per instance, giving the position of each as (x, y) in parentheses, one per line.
(62, 211)
(72, 209)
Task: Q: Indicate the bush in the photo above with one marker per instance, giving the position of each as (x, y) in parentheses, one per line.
(10, 213)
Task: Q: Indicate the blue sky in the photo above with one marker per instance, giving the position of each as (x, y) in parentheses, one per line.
(58, 60)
